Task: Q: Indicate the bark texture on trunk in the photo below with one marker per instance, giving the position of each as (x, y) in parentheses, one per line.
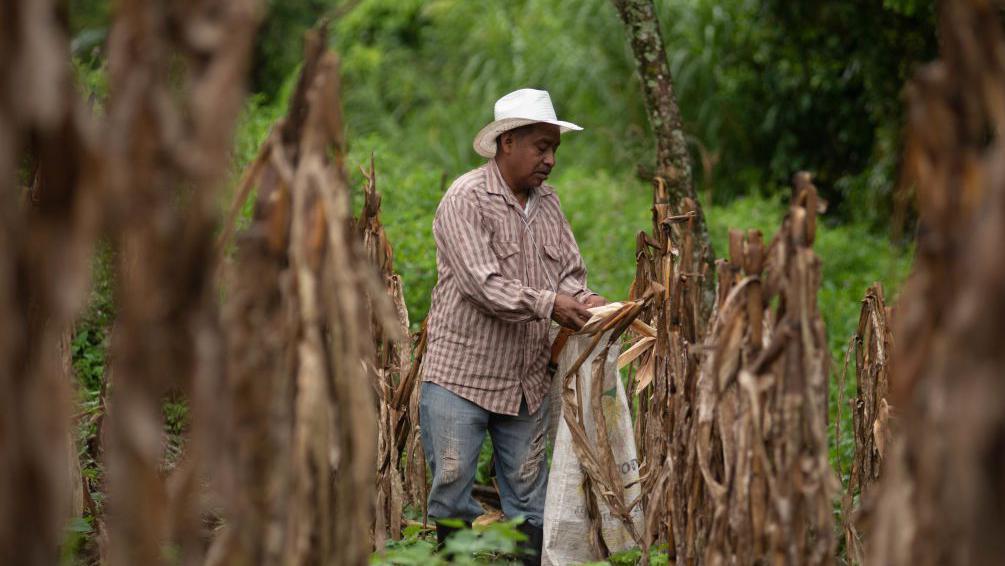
(673, 164)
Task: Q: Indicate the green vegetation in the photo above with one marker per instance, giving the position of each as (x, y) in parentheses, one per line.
(493, 544)
(766, 87)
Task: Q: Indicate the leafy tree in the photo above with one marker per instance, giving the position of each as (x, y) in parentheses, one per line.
(774, 86)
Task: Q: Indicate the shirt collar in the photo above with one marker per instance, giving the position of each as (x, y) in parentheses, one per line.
(495, 183)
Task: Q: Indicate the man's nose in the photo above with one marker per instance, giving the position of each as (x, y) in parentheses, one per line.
(549, 158)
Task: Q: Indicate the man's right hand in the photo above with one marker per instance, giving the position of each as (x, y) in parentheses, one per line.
(569, 312)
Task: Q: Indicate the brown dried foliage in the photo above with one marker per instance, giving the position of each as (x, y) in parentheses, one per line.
(699, 421)
(871, 414)
(732, 433)
(176, 83)
(941, 496)
(401, 467)
(47, 231)
(762, 410)
(305, 448)
(667, 377)
(279, 457)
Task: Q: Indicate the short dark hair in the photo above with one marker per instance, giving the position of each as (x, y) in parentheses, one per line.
(517, 133)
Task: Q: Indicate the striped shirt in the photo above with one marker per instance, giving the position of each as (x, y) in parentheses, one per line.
(498, 269)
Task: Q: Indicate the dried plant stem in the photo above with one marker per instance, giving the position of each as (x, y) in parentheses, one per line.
(302, 266)
(47, 232)
(939, 498)
(871, 414)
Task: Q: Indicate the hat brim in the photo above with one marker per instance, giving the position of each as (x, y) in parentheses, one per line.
(485, 141)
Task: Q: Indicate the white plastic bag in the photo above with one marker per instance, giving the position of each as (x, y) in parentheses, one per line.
(566, 524)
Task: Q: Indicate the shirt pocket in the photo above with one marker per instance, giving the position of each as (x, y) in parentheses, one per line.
(508, 254)
(556, 259)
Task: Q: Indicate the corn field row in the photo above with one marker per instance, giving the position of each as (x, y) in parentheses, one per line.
(290, 339)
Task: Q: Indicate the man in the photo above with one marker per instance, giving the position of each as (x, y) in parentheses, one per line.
(507, 263)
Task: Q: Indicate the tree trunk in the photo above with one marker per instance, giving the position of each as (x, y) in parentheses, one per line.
(673, 164)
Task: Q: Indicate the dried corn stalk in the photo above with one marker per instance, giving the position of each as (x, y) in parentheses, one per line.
(942, 491)
(666, 379)
(871, 413)
(47, 232)
(735, 457)
(302, 428)
(398, 482)
(165, 153)
(761, 437)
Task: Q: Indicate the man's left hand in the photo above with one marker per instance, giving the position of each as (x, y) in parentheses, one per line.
(595, 301)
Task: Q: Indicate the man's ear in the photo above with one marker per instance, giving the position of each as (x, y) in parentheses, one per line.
(506, 142)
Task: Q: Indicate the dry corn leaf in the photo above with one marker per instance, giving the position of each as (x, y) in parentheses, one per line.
(599, 316)
(643, 329)
(641, 347)
(645, 375)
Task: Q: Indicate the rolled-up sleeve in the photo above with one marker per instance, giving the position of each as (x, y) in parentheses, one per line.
(464, 245)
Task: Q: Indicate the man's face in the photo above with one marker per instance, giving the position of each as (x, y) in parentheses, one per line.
(528, 155)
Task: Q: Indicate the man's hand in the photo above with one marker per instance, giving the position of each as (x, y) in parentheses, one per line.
(569, 312)
(595, 301)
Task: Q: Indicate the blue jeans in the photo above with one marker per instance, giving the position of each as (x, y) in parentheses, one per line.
(453, 429)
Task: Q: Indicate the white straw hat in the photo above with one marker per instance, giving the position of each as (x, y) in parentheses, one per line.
(519, 108)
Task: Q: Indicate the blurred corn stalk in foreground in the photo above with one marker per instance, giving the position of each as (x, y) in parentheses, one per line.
(301, 429)
(401, 467)
(48, 223)
(942, 492)
(871, 418)
(761, 438)
(176, 80)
